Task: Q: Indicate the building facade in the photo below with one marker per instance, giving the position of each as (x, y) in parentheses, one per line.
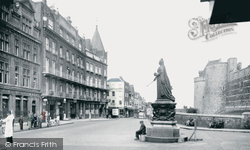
(222, 87)
(19, 59)
(123, 98)
(43, 64)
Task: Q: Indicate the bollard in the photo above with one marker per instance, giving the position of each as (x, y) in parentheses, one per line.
(142, 138)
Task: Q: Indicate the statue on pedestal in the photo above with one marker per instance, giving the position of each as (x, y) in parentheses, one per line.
(163, 84)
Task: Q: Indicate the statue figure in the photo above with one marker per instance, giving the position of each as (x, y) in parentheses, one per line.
(163, 84)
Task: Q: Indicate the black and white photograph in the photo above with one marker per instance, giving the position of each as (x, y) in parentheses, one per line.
(124, 74)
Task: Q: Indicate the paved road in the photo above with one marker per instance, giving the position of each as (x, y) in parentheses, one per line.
(117, 134)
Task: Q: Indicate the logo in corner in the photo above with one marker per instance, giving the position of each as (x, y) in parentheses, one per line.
(201, 28)
(7, 144)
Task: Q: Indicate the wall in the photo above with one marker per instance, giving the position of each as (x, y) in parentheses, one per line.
(199, 85)
(231, 121)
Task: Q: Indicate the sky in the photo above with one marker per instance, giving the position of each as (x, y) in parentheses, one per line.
(138, 33)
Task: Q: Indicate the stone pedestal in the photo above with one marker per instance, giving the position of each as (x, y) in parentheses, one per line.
(164, 129)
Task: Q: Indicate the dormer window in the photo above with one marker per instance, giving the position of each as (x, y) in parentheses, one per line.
(51, 23)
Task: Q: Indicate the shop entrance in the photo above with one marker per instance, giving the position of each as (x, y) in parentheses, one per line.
(72, 110)
(33, 106)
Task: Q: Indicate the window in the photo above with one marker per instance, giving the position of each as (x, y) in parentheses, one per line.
(77, 61)
(16, 75)
(67, 37)
(78, 76)
(67, 88)
(26, 77)
(61, 51)
(73, 59)
(26, 25)
(61, 88)
(34, 80)
(53, 85)
(47, 64)
(87, 80)
(91, 81)
(35, 54)
(61, 32)
(4, 12)
(67, 55)
(80, 47)
(91, 67)
(113, 93)
(120, 102)
(81, 63)
(68, 72)
(96, 69)
(107, 93)
(26, 51)
(54, 48)
(4, 72)
(81, 78)
(51, 23)
(47, 43)
(87, 66)
(4, 42)
(73, 42)
(61, 70)
(53, 67)
(100, 70)
(16, 47)
(105, 72)
(73, 74)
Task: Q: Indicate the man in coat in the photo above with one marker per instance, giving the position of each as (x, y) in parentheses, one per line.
(9, 127)
(141, 131)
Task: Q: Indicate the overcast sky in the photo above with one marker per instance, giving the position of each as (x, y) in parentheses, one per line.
(138, 33)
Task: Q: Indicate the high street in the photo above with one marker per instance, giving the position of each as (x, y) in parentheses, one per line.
(113, 134)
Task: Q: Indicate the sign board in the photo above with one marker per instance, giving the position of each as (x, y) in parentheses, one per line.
(115, 112)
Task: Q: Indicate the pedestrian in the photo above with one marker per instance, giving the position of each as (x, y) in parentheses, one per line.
(39, 121)
(9, 127)
(141, 131)
(29, 121)
(35, 121)
(21, 122)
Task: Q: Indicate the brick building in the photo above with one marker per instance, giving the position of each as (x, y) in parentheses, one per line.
(19, 59)
(222, 87)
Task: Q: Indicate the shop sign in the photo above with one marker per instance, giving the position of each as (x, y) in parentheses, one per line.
(115, 112)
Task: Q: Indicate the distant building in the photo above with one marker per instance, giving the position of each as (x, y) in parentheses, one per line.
(123, 97)
(222, 87)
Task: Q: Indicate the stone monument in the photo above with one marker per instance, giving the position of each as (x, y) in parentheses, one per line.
(164, 129)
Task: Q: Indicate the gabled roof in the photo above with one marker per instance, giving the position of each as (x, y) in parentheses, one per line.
(96, 41)
(27, 3)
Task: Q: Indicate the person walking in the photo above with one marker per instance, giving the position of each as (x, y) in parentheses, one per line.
(9, 127)
(21, 122)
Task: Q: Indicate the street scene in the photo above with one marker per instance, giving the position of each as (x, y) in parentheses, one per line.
(111, 134)
(108, 74)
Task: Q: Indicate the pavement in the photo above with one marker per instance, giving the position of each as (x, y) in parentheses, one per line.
(214, 129)
(44, 124)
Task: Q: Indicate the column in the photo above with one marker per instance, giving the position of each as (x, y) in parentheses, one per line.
(77, 109)
(83, 110)
(68, 109)
(1, 105)
(21, 105)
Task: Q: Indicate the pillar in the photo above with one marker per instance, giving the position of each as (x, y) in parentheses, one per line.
(68, 109)
(21, 105)
(1, 106)
(77, 109)
(83, 111)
